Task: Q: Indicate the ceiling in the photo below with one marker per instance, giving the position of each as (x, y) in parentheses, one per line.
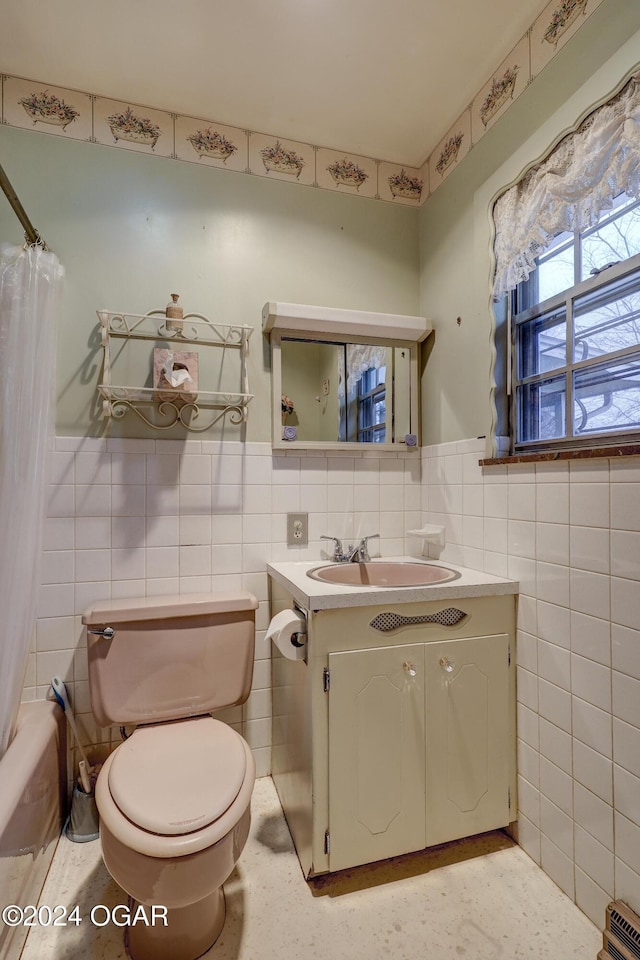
(381, 79)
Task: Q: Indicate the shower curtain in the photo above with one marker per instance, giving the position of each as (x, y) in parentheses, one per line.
(30, 285)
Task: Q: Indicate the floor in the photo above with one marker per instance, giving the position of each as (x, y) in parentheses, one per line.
(479, 899)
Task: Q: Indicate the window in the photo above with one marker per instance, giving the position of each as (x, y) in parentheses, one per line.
(372, 427)
(567, 255)
(576, 337)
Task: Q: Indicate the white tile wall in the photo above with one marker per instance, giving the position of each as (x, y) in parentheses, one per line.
(144, 517)
(570, 532)
(129, 517)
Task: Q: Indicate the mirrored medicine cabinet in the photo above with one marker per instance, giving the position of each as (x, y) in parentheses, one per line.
(343, 378)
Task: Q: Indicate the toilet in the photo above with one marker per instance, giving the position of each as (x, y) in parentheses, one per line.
(173, 798)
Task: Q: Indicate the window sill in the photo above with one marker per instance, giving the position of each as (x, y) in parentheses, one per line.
(585, 453)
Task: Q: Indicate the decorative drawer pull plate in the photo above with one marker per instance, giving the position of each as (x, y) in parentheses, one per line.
(386, 622)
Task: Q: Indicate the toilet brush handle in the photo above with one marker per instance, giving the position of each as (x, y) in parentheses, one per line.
(85, 780)
(60, 693)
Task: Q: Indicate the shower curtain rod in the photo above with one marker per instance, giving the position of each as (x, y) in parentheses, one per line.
(30, 232)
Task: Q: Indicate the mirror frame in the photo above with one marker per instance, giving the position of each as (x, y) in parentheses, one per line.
(278, 443)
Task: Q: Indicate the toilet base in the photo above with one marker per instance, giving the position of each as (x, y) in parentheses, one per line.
(190, 931)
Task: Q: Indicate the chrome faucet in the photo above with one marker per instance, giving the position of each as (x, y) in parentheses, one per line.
(338, 552)
(359, 554)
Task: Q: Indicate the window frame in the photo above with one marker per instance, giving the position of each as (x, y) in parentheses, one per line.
(566, 299)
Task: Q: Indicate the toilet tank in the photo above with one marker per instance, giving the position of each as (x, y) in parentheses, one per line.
(169, 657)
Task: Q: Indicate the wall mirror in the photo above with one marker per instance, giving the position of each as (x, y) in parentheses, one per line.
(342, 379)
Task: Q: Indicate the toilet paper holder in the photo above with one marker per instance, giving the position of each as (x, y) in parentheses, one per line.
(299, 638)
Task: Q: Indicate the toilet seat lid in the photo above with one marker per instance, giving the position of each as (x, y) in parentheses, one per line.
(176, 778)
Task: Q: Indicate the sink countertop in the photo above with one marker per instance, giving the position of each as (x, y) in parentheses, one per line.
(320, 595)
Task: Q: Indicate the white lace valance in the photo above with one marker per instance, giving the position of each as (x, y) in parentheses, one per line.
(360, 358)
(570, 188)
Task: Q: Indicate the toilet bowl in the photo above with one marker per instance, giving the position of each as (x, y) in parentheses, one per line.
(174, 797)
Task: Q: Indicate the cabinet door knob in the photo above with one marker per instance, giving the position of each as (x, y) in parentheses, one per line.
(447, 664)
(409, 668)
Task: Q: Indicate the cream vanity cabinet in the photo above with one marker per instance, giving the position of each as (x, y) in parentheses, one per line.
(389, 741)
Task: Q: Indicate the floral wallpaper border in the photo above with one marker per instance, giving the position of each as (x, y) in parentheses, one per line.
(45, 108)
(62, 112)
(552, 29)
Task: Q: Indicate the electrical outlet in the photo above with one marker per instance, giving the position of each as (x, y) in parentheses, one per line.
(297, 529)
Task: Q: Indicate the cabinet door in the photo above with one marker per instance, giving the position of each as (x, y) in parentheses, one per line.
(376, 754)
(467, 737)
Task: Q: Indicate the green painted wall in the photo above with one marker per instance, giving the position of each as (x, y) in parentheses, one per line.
(455, 226)
(131, 229)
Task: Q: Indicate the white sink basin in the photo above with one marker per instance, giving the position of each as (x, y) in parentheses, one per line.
(383, 574)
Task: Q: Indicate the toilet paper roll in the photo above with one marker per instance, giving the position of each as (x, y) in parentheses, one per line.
(288, 630)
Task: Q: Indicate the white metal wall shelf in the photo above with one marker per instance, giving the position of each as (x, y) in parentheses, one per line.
(172, 406)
